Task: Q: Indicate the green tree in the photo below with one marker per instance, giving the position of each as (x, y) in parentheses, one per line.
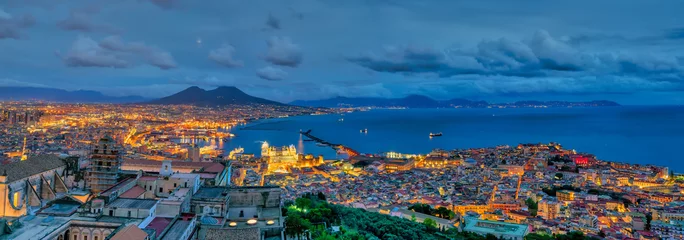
(532, 206)
(295, 225)
(303, 203)
(413, 218)
(559, 176)
(430, 223)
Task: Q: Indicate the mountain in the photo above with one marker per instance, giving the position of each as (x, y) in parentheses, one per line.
(60, 95)
(411, 101)
(218, 97)
(419, 101)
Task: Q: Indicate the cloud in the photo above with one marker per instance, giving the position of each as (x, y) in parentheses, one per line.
(85, 52)
(81, 20)
(271, 73)
(151, 54)
(115, 53)
(272, 22)
(203, 81)
(540, 56)
(224, 56)
(282, 52)
(11, 27)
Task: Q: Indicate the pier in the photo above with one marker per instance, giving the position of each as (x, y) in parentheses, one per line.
(337, 147)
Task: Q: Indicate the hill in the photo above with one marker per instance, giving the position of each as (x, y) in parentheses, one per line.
(419, 101)
(220, 96)
(60, 95)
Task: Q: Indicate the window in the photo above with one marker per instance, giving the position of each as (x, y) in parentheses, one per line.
(85, 237)
(186, 184)
(129, 213)
(111, 212)
(161, 190)
(15, 199)
(75, 236)
(96, 238)
(174, 185)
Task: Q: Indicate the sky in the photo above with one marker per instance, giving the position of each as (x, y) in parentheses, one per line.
(629, 51)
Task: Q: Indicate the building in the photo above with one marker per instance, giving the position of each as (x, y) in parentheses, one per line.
(501, 230)
(588, 221)
(194, 153)
(29, 185)
(103, 170)
(131, 208)
(548, 209)
(252, 213)
(565, 195)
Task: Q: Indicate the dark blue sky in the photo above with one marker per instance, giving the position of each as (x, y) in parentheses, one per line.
(629, 51)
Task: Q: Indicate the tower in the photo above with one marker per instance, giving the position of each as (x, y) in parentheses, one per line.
(103, 170)
(194, 153)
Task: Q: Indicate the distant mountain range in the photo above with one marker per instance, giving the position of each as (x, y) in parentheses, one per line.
(419, 101)
(60, 95)
(220, 96)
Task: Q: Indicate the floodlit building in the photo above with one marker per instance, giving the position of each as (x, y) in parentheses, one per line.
(499, 229)
(103, 170)
(28, 185)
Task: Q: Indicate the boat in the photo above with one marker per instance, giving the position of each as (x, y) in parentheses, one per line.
(321, 145)
(365, 130)
(439, 134)
(341, 120)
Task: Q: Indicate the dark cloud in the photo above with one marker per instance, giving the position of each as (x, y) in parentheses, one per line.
(272, 22)
(85, 52)
(12, 26)
(81, 20)
(271, 73)
(151, 54)
(114, 52)
(540, 56)
(224, 56)
(282, 52)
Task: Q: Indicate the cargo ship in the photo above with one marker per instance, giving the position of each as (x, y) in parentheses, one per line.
(439, 134)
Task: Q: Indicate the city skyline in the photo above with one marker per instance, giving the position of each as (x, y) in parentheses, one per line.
(286, 51)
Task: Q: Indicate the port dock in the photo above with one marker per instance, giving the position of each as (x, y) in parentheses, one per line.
(334, 146)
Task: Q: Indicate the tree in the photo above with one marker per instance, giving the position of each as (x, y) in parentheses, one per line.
(559, 176)
(430, 223)
(321, 196)
(295, 225)
(303, 203)
(532, 206)
(413, 218)
(649, 218)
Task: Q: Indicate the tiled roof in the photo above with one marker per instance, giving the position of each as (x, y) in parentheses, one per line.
(31, 166)
(134, 192)
(132, 232)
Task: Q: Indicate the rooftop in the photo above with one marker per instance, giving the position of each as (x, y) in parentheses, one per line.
(31, 166)
(133, 203)
(484, 226)
(211, 193)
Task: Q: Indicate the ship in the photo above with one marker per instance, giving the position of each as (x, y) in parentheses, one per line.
(439, 134)
(341, 120)
(365, 130)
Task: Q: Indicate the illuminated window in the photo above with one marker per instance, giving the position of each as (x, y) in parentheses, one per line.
(16, 199)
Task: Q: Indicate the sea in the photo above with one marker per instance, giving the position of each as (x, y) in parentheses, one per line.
(632, 134)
